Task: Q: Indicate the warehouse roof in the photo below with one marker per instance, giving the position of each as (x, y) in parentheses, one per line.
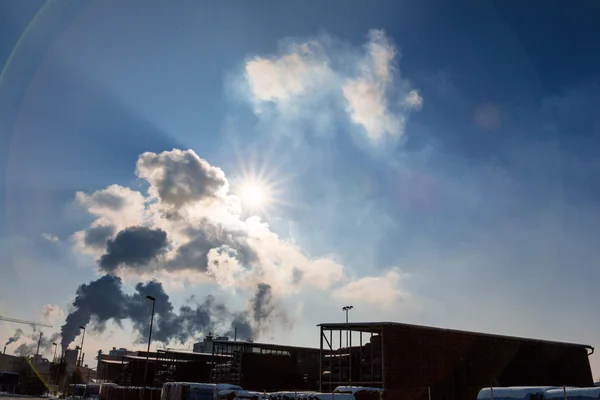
(375, 327)
(269, 346)
(102, 360)
(184, 352)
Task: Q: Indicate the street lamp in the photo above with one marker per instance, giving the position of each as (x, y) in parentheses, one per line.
(55, 368)
(149, 338)
(347, 308)
(54, 358)
(81, 347)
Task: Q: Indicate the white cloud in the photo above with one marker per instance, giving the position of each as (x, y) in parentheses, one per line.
(189, 200)
(324, 77)
(384, 290)
(50, 238)
(413, 100)
(116, 208)
(367, 106)
(51, 313)
(116, 205)
(296, 73)
(189, 226)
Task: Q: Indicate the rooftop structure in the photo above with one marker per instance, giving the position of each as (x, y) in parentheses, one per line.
(412, 361)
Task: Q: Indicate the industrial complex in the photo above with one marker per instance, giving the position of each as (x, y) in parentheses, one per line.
(408, 361)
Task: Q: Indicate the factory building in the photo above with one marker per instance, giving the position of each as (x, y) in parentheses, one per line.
(265, 367)
(415, 362)
(164, 365)
(411, 362)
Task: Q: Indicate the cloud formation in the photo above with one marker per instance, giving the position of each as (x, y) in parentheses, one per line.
(190, 222)
(381, 290)
(133, 246)
(51, 312)
(322, 74)
(49, 237)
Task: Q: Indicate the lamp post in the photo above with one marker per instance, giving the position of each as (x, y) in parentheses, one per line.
(149, 338)
(81, 347)
(55, 366)
(347, 308)
(54, 358)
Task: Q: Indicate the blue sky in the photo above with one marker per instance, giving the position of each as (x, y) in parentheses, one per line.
(469, 201)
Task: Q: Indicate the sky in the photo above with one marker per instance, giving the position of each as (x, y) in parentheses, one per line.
(256, 166)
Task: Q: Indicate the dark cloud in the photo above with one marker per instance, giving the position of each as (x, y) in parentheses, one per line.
(241, 327)
(181, 177)
(15, 337)
(103, 299)
(133, 246)
(207, 236)
(97, 236)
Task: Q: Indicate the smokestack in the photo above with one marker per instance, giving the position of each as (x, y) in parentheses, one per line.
(235, 334)
(37, 352)
(4, 352)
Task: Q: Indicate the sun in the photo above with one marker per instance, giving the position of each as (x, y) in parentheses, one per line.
(253, 195)
(257, 196)
(259, 185)
(258, 193)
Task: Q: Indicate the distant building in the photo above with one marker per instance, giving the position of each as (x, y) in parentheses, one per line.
(10, 363)
(410, 362)
(110, 366)
(263, 366)
(70, 357)
(206, 346)
(120, 352)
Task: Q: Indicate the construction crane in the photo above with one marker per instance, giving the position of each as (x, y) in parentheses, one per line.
(22, 321)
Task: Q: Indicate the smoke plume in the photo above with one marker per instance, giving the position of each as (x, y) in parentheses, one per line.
(29, 348)
(15, 337)
(102, 300)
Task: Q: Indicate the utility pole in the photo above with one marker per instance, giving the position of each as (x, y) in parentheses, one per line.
(153, 300)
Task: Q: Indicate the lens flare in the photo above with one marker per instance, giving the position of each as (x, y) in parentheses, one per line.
(259, 187)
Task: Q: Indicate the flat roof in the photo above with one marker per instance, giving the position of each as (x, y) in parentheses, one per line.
(152, 359)
(375, 326)
(113, 361)
(266, 345)
(186, 352)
